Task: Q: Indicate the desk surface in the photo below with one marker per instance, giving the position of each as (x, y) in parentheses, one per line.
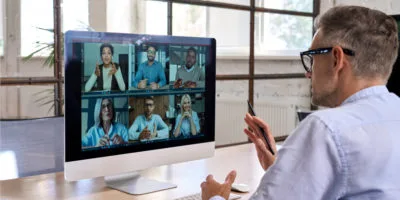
(187, 176)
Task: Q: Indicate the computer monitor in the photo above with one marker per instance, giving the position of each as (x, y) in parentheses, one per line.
(393, 84)
(134, 102)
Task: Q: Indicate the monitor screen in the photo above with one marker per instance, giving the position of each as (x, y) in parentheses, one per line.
(393, 84)
(130, 93)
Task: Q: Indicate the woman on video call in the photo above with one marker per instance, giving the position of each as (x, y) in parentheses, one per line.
(187, 123)
(105, 131)
(108, 75)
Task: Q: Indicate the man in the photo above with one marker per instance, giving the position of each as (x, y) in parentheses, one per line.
(150, 73)
(190, 76)
(352, 150)
(105, 131)
(148, 125)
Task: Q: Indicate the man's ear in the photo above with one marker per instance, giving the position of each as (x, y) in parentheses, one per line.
(339, 58)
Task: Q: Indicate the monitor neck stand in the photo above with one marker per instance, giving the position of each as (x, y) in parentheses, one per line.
(133, 183)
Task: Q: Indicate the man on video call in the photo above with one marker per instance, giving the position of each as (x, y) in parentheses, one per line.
(350, 150)
(148, 125)
(150, 73)
(190, 75)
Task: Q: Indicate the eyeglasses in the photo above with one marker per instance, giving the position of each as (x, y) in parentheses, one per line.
(148, 105)
(307, 56)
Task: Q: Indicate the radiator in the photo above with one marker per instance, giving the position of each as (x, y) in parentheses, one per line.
(230, 120)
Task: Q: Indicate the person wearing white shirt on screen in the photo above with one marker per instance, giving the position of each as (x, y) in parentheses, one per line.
(187, 123)
(106, 76)
(105, 131)
(350, 150)
(148, 125)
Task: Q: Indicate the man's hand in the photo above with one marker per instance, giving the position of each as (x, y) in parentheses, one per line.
(178, 83)
(189, 84)
(154, 85)
(154, 134)
(97, 72)
(105, 140)
(265, 157)
(210, 187)
(142, 84)
(113, 70)
(117, 139)
(145, 134)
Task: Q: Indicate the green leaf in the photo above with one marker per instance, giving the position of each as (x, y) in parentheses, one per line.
(26, 58)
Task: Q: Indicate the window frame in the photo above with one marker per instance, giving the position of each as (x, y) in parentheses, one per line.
(58, 79)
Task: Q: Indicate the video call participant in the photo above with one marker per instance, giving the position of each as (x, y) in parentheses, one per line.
(190, 75)
(150, 73)
(105, 130)
(187, 122)
(148, 125)
(107, 76)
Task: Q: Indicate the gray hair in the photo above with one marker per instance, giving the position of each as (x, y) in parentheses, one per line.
(371, 34)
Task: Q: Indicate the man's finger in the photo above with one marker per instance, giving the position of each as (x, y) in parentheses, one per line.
(210, 178)
(230, 178)
(250, 134)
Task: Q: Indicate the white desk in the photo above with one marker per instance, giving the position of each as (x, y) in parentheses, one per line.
(187, 176)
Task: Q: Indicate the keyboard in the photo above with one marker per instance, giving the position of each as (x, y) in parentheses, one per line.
(198, 197)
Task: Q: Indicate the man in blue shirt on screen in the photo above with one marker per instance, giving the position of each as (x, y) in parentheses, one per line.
(148, 125)
(350, 150)
(150, 73)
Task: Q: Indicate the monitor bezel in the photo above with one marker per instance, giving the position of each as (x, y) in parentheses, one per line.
(73, 94)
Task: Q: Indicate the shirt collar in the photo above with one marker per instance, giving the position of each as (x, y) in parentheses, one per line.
(189, 70)
(367, 92)
(154, 63)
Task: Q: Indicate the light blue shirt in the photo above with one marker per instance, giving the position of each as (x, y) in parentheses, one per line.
(141, 122)
(96, 132)
(185, 126)
(349, 152)
(153, 73)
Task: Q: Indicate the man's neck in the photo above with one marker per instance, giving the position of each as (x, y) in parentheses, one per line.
(189, 67)
(149, 63)
(148, 117)
(354, 86)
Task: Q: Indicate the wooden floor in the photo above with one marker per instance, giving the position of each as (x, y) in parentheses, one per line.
(31, 147)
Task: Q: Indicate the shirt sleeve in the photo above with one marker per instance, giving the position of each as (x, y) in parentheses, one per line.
(177, 122)
(90, 83)
(216, 197)
(124, 133)
(196, 121)
(161, 72)
(87, 140)
(308, 165)
(133, 130)
(139, 76)
(162, 128)
(120, 79)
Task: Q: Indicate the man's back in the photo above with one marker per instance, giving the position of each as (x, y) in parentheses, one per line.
(348, 152)
(367, 126)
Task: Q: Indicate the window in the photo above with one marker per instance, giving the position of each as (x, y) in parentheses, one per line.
(75, 15)
(293, 5)
(2, 14)
(278, 34)
(36, 25)
(189, 20)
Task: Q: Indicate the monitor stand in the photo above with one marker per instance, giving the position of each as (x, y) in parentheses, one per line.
(133, 183)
